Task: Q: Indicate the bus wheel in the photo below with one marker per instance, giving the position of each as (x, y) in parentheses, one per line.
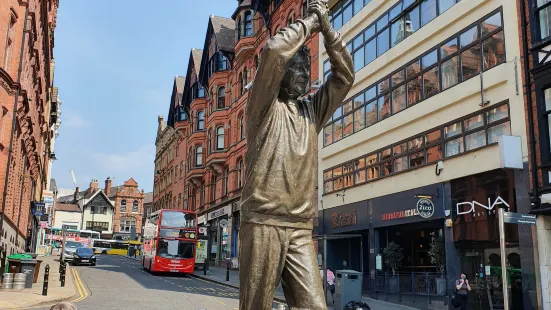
(104, 252)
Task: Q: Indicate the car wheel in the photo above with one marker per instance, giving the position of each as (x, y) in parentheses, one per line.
(94, 264)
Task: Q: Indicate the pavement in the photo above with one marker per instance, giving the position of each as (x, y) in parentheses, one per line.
(28, 298)
(117, 282)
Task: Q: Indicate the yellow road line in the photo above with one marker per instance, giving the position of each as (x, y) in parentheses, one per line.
(83, 292)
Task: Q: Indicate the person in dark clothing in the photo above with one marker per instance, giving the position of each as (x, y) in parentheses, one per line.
(463, 288)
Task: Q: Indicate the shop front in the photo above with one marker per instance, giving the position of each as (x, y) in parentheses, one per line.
(409, 220)
(219, 227)
(476, 201)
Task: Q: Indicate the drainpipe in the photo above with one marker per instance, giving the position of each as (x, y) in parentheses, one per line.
(14, 118)
(528, 86)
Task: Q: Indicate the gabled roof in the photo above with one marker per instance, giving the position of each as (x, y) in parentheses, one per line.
(223, 31)
(179, 81)
(196, 55)
(131, 182)
(93, 196)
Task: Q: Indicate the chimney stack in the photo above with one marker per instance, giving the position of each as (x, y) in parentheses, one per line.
(108, 186)
(76, 194)
(93, 186)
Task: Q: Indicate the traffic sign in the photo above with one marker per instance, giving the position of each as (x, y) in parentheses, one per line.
(519, 218)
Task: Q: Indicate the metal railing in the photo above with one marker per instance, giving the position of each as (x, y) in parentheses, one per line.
(429, 285)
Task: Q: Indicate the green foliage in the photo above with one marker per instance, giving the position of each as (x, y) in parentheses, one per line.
(437, 253)
(393, 254)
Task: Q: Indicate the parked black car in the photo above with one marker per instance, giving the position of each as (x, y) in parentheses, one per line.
(84, 256)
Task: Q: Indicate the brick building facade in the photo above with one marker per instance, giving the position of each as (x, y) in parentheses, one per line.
(207, 170)
(26, 81)
(535, 46)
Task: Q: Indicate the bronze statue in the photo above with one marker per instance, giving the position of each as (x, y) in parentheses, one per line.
(279, 196)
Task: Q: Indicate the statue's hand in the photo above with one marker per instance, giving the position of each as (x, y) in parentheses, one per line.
(321, 10)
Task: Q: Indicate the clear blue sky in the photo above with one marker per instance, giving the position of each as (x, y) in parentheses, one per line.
(115, 65)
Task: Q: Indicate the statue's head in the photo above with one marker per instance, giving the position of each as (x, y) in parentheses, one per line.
(296, 80)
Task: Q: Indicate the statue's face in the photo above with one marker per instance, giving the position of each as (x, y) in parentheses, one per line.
(296, 80)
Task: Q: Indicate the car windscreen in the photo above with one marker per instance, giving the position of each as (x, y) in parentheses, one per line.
(73, 244)
(175, 249)
(85, 251)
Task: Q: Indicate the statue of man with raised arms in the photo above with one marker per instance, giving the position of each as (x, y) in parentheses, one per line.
(279, 196)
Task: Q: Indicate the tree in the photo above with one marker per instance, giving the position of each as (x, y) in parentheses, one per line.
(393, 256)
(437, 253)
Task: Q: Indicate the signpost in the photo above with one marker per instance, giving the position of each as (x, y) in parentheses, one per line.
(511, 218)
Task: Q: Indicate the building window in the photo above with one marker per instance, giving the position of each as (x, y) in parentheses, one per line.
(9, 42)
(220, 138)
(241, 128)
(98, 210)
(221, 102)
(135, 206)
(241, 84)
(200, 120)
(547, 117)
(179, 202)
(248, 24)
(97, 226)
(466, 134)
(463, 56)
(543, 13)
(123, 205)
(391, 28)
(213, 188)
(127, 223)
(199, 156)
(240, 173)
(218, 62)
(238, 28)
(210, 142)
(226, 181)
(181, 169)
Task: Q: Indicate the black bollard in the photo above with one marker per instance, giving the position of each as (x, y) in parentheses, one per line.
(205, 268)
(228, 271)
(62, 277)
(46, 276)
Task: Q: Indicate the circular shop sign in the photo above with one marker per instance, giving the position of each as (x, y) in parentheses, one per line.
(425, 208)
(223, 223)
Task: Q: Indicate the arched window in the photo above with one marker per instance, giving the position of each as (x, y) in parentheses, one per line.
(181, 169)
(226, 181)
(220, 138)
(200, 120)
(244, 81)
(209, 142)
(240, 83)
(198, 156)
(123, 205)
(240, 173)
(238, 28)
(248, 24)
(135, 206)
(213, 188)
(241, 128)
(221, 98)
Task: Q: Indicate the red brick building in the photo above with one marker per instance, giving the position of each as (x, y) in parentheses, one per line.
(535, 47)
(209, 124)
(129, 207)
(26, 81)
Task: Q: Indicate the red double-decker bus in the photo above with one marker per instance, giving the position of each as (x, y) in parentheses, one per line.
(170, 237)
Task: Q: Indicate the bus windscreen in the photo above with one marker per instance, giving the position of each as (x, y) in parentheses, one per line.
(175, 249)
(178, 219)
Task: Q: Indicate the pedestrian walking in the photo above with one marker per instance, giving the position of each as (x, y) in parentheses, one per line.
(331, 283)
(64, 306)
(463, 288)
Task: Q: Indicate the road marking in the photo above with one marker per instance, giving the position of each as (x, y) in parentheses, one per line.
(83, 292)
